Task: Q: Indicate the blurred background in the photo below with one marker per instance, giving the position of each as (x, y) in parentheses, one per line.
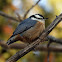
(48, 8)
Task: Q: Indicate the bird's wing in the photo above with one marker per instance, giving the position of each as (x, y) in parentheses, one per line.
(24, 25)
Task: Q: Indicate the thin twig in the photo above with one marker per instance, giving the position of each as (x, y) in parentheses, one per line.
(48, 51)
(13, 18)
(30, 47)
(31, 8)
(53, 39)
(7, 16)
(48, 55)
(19, 17)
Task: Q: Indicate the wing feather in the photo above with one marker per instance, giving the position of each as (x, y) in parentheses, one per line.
(24, 25)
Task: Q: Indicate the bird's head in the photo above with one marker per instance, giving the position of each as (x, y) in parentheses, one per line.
(38, 17)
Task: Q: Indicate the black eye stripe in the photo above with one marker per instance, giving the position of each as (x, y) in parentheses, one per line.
(38, 18)
(32, 16)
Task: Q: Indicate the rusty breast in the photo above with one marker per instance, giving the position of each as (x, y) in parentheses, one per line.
(33, 32)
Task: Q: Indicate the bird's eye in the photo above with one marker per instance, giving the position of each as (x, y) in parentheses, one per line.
(38, 18)
(10, 39)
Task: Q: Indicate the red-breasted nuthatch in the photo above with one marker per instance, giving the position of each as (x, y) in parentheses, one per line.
(29, 29)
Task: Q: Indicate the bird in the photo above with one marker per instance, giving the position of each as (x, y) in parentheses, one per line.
(28, 30)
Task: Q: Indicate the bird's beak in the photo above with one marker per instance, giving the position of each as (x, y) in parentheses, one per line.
(45, 18)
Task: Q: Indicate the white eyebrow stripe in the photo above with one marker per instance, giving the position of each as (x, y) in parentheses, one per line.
(37, 16)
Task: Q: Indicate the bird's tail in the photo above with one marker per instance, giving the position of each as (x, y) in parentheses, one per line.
(11, 40)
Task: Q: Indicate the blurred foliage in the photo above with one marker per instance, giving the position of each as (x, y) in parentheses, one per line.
(4, 3)
(57, 9)
(57, 6)
(7, 27)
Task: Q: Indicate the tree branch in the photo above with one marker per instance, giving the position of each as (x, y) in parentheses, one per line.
(31, 8)
(30, 47)
(40, 47)
(19, 18)
(7, 16)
